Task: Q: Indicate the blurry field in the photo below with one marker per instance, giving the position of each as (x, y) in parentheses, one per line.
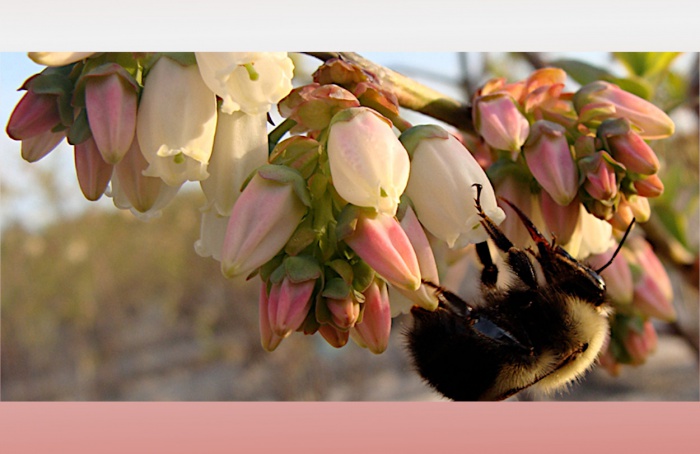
(106, 307)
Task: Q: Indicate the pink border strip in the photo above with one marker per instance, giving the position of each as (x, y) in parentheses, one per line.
(428, 428)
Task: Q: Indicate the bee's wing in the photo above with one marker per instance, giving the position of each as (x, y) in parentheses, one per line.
(496, 333)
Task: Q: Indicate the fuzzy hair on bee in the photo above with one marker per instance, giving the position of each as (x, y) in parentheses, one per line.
(540, 333)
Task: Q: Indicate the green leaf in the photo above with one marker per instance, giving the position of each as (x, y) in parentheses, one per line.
(583, 73)
(646, 64)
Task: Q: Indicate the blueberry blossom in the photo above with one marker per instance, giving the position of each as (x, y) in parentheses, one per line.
(441, 186)
(368, 164)
(176, 122)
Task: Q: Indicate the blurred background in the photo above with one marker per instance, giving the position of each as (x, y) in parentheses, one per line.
(97, 305)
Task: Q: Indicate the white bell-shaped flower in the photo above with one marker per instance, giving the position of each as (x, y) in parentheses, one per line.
(176, 122)
(441, 187)
(240, 147)
(248, 81)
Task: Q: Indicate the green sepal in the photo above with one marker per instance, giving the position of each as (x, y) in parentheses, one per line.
(267, 269)
(310, 325)
(343, 268)
(363, 275)
(102, 70)
(303, 237)
(286, 175)
(336, 288)
(321, 312)
(183, 58)
(347, 221)
(594, 115)
(278, 274)
(411, 137)
(302, 268)
(80, 129)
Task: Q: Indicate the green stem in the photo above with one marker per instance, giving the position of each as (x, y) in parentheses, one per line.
(411, 94)
(276, 134)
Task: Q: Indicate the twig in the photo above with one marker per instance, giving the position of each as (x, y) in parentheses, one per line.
(410, 94)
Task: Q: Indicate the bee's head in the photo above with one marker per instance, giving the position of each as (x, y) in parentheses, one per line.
(562, 270)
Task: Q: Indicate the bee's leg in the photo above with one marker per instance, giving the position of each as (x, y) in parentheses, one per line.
(450, 300)
(517, 258)
(489, 274)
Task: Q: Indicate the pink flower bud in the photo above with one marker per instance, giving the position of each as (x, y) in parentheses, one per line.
(513, 187)
(425, 296)
(111, 103)
(374, 330)
(500, 123)
(380, 241)
(650, 187)
(549, 158)
(34, 114)
(269, 340)
(617, 276)
(369, 166)
(601, 182)
(628, 148)
(313, 106)
(560, 220)
(36, 147)
(641, 345)
(653, 294)
(334, 336)
(262, 221)
(132, 189)
(652, 122)
(93, 172)
(288, 305)
(344, 312)
(631, 207)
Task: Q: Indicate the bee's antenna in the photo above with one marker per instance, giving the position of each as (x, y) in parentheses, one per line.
(619, 246)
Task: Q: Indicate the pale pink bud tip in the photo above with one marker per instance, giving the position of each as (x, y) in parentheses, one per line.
(34, 114)
(381, 242)
(498, 120)
(111, 103)
(269, 340)
(652, 122)
(549, 158)
(92, 171)
(288, 305)
(262, 221)
(374, 330)
(653, 293)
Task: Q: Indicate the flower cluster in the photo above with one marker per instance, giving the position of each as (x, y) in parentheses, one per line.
(345, 219)
(580, 163)
(146, 123)
(341, 216)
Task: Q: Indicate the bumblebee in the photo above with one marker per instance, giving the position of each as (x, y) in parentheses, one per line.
(543, 333)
